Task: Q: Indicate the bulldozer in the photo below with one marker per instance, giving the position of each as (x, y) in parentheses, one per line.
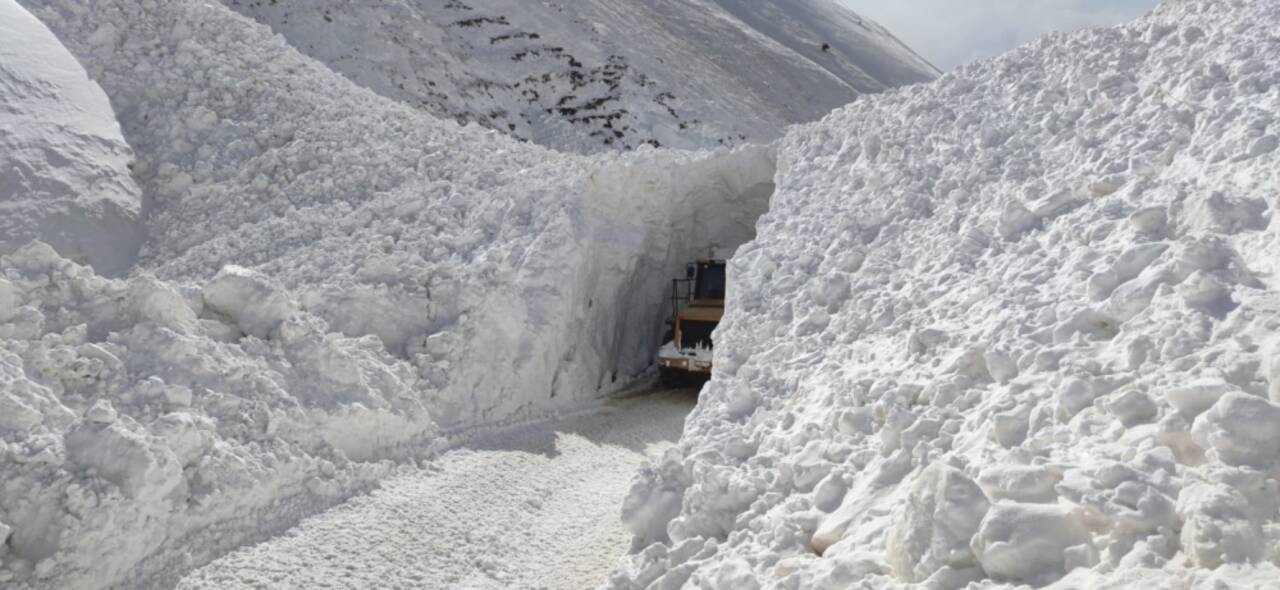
(697, 304)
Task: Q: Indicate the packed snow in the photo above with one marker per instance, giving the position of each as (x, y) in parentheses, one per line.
(533, 507)
(1020, 326)
(64, 175)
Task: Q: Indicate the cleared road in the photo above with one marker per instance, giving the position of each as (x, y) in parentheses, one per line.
(536, 508)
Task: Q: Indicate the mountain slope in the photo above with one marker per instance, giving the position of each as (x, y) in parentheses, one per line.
(595, 74)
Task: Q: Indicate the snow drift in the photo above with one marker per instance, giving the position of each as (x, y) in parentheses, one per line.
(604, 74)
(63, 163)
(1018, 326)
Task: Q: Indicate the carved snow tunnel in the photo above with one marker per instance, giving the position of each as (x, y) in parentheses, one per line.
(605, 294)
(711, 206)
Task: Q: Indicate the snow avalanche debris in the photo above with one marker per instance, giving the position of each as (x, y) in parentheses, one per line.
(1018, 326)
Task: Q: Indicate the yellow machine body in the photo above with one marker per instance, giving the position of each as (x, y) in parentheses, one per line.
(696, 313)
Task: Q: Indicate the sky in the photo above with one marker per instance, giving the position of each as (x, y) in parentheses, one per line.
(950, 33)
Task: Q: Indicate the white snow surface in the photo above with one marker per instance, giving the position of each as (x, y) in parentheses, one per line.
(1018, 326)
(333, 284)
(533, 507)
(63, 162)
(582, 75)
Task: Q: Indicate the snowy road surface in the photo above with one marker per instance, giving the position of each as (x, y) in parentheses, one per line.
(537, 508)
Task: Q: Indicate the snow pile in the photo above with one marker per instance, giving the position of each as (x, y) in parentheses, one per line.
(333, 283)
(63, 162)
(1019, 326)
(602, 74)
(478, 259)
(149, 411)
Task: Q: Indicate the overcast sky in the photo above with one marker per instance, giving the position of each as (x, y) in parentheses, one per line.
(953, 32)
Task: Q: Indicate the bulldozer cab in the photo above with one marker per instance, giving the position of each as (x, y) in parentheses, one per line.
(702, 286)
(708, 280)
(697, 304)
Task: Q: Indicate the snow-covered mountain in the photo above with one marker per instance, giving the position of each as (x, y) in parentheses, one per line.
(583, 75)
(1018, 327)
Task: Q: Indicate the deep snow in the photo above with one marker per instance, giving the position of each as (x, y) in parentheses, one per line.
(333, 283)
(1018, 326)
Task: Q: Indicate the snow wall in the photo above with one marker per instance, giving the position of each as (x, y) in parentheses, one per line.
(588, 313)
(190, 418)
(333, 285)
(63, 163)
(1020, 326)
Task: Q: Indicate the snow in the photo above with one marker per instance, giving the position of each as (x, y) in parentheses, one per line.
(534, 507)
(595, 74)
(128, 415)
(386, 222)
(1017, 326)
(64, 175)
(249, 300)
(334, 283)
(942, 513)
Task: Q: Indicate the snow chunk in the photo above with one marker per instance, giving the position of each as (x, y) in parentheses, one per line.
(15, 414)
(133, 461)
(1132, 407)
(1216, 526)
(101, 413)
(654, 499)
(1194, 398)
(8, 300)
(1020, 483)
(159, 302)
(1028, 542)
(253, 302)
(1271, 368)
(20, 398)
(189, 436)
(1001, 366)
(1241, 429)
(933, 528)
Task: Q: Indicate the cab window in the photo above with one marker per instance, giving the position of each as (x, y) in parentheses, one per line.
(710, 284)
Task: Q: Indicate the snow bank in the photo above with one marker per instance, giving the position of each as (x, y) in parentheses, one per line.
(1018, 326)
(191, 417)
(138, 410)
(333, 283)
(477, 259)
(64, 175)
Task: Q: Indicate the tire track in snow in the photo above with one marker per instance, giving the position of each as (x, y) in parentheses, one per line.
(534, 508)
